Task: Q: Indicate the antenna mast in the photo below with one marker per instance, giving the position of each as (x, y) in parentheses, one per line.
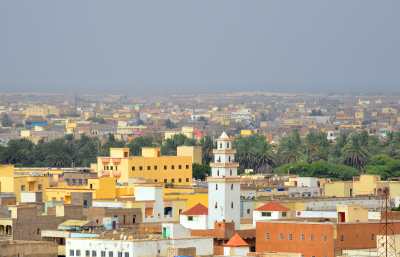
(386, 237)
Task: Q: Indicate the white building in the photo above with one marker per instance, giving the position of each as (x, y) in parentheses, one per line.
(195, 218)
(271, 211)
(306, 187)
(135, 248)
(243, 114)
(236, 246)
(224, 185)
(174, 231)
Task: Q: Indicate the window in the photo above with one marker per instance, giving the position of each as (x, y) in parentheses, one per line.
(155, 180)
(108, 167)
(290, 237)
(110, 254)
(165, 181)
(78, 252)
(227, 145)
(216, 186)
(126, 254)
(94, 253)
(230, 172)
(119, 254)
(180, 180)
(187, 179)
(180, 167)
(372, 236)
(311, 238)
(87, 253)
(103, 254)
(232, 205)
(140, 168)
(133, 167)
(23, 188)
(220, 145)
(187, 167)
(116, 168)
(80, 181)
(267, 236)
(38, 231)
(39, 187)
(190, 218)
(61, 199)
(172, 167)
(216, 205)
(155, 167)
(165, 167)
(71, 253)
(148, 167)
(229, 159)
(248, 211)
(283, 214)
(111, 167)
(325, 238)
(54, 199)
(232, 187)
(217, 172)
(173, 180)
(302, 237)
(342, 238)
(280, 236)
(266, 214)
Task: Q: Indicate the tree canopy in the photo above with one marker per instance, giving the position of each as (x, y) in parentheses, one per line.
(6, 121)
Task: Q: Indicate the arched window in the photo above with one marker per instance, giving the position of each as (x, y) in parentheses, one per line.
(229, 159)
(232, 205)
(227, 145)
(217, 172)
(230, 172)
(219, 159)
(216, 205)
(232, 187)
(220, 145)
(216, 186)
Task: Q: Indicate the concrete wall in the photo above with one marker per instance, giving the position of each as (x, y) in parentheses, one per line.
(176, 230)
(199, 222)
(28, 248)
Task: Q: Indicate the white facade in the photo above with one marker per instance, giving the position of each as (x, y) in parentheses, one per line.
(315, 214)
(236, 251)
(275, 215)
(306, 187)
(195, 222)
(244, 114)
(174, 231)
(224, 185)
(143, 248)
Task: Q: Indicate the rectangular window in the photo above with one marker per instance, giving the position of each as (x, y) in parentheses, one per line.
(111, 167)
(267, 236)
(311, 238)
(266, 214)
(71, 252)
(155, 167)
(172, 167)
(325, 238)
(180, 180)
(180, 167)
(148, 167)
(133, 167)
(54, 199)
(172, 180)
(165, 167)
(342, 238)
(248, 211)
(155, 180)
(302, 237)
(110, 254)
(126, 254)
(165, 181)
(78, 252)
(372, 236)
(280, 236)
(38, 231)
(119, 254)
(87, 253)
(94, 253)
(190, 218)
(116, 168)
(23, 188)
(187, 167)
(140, 168)
(290, 237)
(103, 254)
(187, 180)
(283, 214)
(39, 187)
(80, 181)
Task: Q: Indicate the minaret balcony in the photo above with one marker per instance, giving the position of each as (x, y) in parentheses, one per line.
(224, 164)
(224, 151)
(224, 179)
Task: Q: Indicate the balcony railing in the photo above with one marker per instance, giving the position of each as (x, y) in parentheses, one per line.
(224, 165)
(223, 151)
(117, 174)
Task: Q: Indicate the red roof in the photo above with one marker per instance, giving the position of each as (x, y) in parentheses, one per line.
(272, 206)
(236, 241)
(198, 209)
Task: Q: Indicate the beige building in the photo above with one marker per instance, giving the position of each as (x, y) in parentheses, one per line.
(42, 111)
(192, 151)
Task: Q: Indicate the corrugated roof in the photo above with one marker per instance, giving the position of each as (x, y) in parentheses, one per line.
(272, 206)
(236, 241)
(198, 209)
(74, 223)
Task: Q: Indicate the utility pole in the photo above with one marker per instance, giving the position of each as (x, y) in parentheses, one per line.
(386, 240)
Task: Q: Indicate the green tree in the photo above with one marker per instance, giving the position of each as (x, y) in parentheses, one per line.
(356, 152)
(55, 152)
(169, 124)
(136, 144)
(50, 116)
(6, 121)
(19, 125)
(207, 146)
(316, 113)
(140, 122)
(200, 171)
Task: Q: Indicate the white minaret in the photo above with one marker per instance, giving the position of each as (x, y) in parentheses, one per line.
(224, 185)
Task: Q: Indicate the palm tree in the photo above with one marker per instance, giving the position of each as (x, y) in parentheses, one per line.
(207, 147)
(392, 151)
(55, 152)
(355, 153)
(310, 144)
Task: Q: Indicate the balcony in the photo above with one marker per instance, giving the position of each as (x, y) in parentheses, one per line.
(105, 159)
(116, 160)
(105, 173)
(116, 174)
(224, 151)
(224, 165)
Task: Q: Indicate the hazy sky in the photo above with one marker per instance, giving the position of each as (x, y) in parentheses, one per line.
(145, 47)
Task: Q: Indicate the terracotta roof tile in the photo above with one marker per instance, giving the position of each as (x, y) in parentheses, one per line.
(236, 241)
(198, 209)
(272, 206)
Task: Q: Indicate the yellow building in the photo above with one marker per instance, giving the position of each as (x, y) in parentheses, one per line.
(42, 111)
(193, 151)
(151, 165)
(352, 213)
(364, 185)
(9, 183)
(339, 189)
(187, 131)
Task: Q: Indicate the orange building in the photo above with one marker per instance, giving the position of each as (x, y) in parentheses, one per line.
(316, 239)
